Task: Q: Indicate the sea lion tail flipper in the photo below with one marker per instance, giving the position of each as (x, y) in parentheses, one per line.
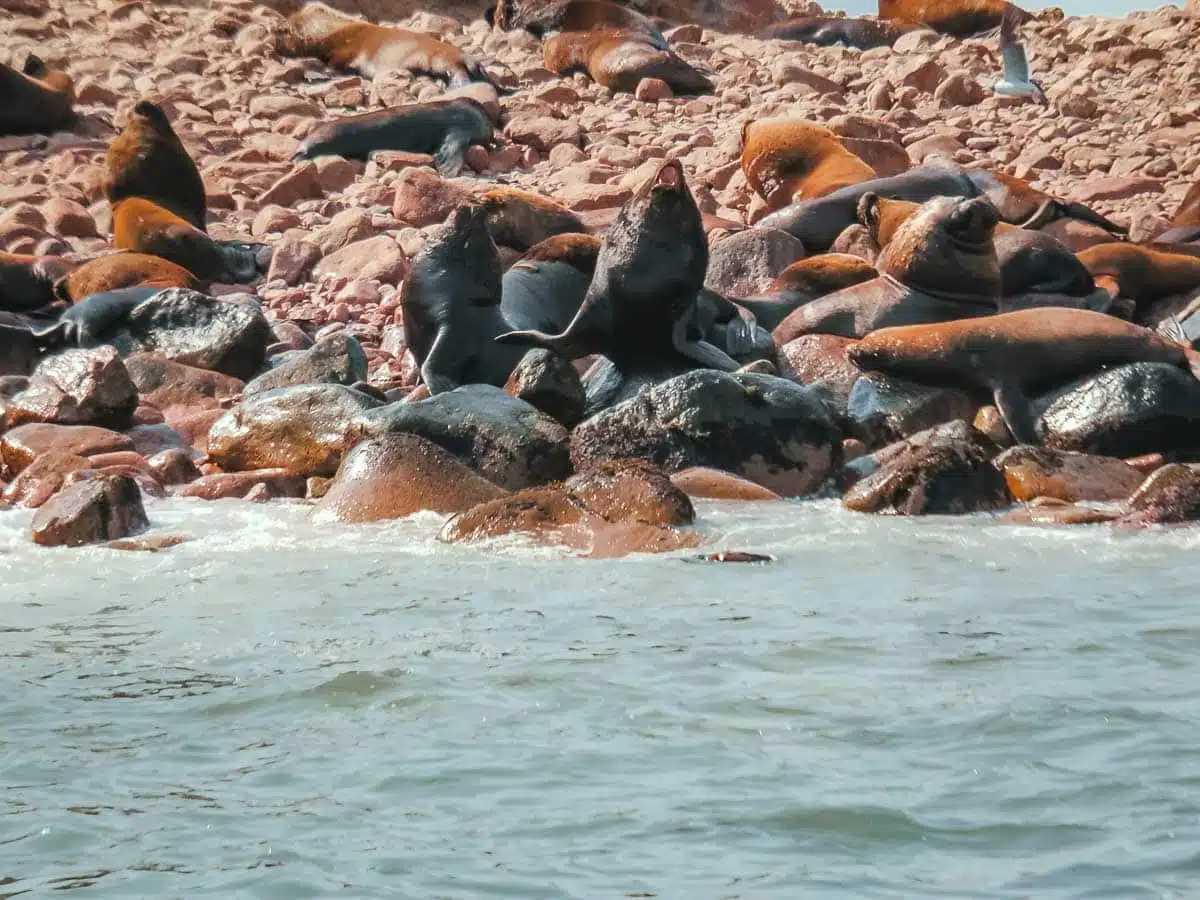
(1015, 410)
(531, 338)
(701, 352)
(451, 156)
(54, 337)
(1172, 329)
(1084, 214)
(240, 260)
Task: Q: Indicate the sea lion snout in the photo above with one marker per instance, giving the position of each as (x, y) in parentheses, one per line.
(974, 221)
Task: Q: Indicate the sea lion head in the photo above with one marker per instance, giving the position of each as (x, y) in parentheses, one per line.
(463, 249)
(150, 114)
(882, 216)
(945, 248)
(55, 79)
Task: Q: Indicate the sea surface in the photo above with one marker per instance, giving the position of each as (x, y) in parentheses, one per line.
(934, 708)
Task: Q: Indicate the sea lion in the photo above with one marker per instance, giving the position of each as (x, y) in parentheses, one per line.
(543, 290)
(788, 160)
(441, 128)
(804, 281)
(958, 18)
(351, 44)
(1014, 353)
(521, 219)
(649, 271)
(145, 227)
(451, 305)
(619, 60)
(148, 160)
(92, 320)
(1143, 274)
(826, 31)
(817, 223)
(1188, 214)
(37, 100)
(27, 282)
(549, 17)
(123, 270)
(21, 347)
(940, 265)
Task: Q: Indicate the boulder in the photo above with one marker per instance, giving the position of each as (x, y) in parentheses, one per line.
(548, 382)
(700, 482)
(335, 359)
(21, 445)
(1169, 496)
(77, 387)
(101, 508)
(165, 384)
(882, 409)
(745, 263)
(1041, 472)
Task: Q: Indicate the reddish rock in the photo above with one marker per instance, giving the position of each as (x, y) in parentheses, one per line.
(544, 133)
(713, 484)
(77, 387)
(236, 485)
(103, 508)
(273, 218)
(651, 90)
(923, 75)
(1040, 472)
(293, 259)
(69, 219)
(379, 258)
(302, 183)
(1116, 188)
(960, 89)
(20, 446)
(42, 478)
(425, 198)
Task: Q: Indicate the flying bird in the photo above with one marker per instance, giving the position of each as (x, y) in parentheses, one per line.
(1016, 81)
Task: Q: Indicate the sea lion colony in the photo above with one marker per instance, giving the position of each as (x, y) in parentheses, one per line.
(727, 251)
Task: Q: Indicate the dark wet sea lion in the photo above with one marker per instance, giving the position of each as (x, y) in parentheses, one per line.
(941, 264)
(788, 160)
(114, 271)
(825, 31)
(543, 290)
(142, 226)
(148, 160)
(619, 60)
(451, 303)
(94, 318)
(27, 282)
(1014, 353)
(548, 17)
(650, 269)
(959, 18)
(521, 219)
(36, 100)
(805, 281)
(347, 43)
(1142, 273)
(442, 128)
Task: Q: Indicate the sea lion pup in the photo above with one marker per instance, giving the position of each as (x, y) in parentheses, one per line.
(790, 160)
(451, 306)
(27, 282)
(521, 219)
(804, 281)
(825, 31)
(347, 43)
(544, 18)
(649, 271)
(619, 60)
(1142, 274)
(148, 160)
(940, 265)
(958, 18)
(442, 128)
(114, 271)
(1015, 353)
(543, 290)
(145, 227)
(37, 100)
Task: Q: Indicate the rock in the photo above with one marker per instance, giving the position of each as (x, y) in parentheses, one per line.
(77, 387)
(173, 466)
(959, 89)
(745, 263)
(271, 219)
(302, 183)
(776, 433)
(164, 383)
(1040, 472)
(69, 219)
(396, 475)
(506, 440)
(1116, 188)
(821, 357)
(883, 409)
(42, 478)
(102, 508)
(548, 382)
(651, 90)
(21, 445)
(887, 158)
(237, 485)
(543, 133)
(424, 198)
(379, 258)
(1169, 496)
(934, 145)
(335, 359)
(923, 75)
(704, 483)
(302, 430)
(293, 259)
(947, 471)
(347, 227)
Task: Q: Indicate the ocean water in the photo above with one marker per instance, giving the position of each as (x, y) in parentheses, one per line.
(950, 708)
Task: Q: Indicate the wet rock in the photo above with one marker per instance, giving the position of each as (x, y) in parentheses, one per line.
(1041, 472)
(103, 508)
(149, 543)
(778, 434)
(304, 430)
(744, 264)
(396, 475)
(21, 445)
(237, 485)
(1169, 496)
(945, 472)
(811, 358)
(548, 382)
(173, 466)
(882, 409)
(700, 482)
(42, 479)
(335, 359)
(165, 384)
(77, 387)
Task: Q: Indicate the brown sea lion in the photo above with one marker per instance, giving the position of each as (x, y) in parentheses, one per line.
(549, 17)
(825, 31)
(145, 227)
(1012, 353)
(522, 219)
(789, 160)
(445, 129)
(347, 43)
(37, 100)
(804, 281)
(649, 271)
(619, 60)
(123, 270)
(959, 18)
(1143, 274)
(27, 282)
(940, 265)
(148, 160)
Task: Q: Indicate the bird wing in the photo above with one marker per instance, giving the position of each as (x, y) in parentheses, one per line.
(1016, 67)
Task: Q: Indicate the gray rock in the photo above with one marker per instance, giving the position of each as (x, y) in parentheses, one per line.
(745, 263)
(883, 408)
(547, 381)
(336, 359)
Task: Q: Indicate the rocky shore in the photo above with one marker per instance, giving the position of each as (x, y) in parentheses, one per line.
(299, 383)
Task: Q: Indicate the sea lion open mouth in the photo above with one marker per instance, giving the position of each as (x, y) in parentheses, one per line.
(669, 177)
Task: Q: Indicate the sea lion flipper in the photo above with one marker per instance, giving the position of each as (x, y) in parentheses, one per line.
(701, 351)
(433, 370)
(1014, 408)
(240, 260)
(451, 156)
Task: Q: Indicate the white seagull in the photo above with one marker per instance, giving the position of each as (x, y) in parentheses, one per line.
(1016, 81)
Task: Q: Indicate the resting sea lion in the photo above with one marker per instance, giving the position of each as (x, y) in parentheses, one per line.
(959, 18)
(1142, 273)
(543, 290)
(27, 282)
(36, 100)
(94, 318)
(790, 160)
(650, 269)
(549, 17)
(940, 265)
(620, 59)
(148, 160)
(1013, 353)
(451, 304)
(825, 31)
(804, 281)
(441, 128)
(123, 270)
(347, 43)
(520, 219)
(144, 227)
